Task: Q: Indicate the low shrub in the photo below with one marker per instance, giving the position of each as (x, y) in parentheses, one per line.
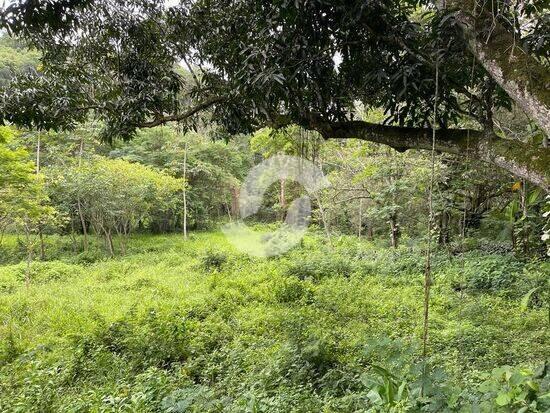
(43, 272)
(154, 339)
(319, 267)
(9, 349)
(88, 257)
(520, 390)
(491, 273)
(533, 284)
(391, 262)
(290, 290)
(213, 260)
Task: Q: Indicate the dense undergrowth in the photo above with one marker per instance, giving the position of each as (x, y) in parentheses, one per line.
(194, 326)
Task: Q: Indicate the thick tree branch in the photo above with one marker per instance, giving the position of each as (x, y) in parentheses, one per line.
(161, 120)
(525, 79)
(528, 162)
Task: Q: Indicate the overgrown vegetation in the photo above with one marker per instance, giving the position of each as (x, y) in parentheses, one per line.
(127, 130)
(176, 327)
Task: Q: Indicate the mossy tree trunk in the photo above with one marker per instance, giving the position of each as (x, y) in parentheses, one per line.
(524, 79)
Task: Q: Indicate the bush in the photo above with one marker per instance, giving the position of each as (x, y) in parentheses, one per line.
(491, 273)
(191, 399)
(9, 350)
(515, 389)
(291, 290)
(534, 284)
(6, 254)
(44, 272)
(88, 257)
(318, 267)
(391, 262)
(152, 340)
(487, 246)
(213, 260)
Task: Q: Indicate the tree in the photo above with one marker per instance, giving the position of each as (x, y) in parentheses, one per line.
(15, 58)
(16, 168)
(24, 203)
(304, 62)
(214, 168)
(16, 174)
(291, 140)
(115, 196)
(388, 187)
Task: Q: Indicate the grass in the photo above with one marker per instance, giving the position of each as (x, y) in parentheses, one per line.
(196, 326)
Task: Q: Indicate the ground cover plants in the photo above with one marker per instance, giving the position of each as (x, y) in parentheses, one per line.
(176, 326)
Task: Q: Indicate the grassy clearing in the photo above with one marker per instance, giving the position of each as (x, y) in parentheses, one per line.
(197, 326)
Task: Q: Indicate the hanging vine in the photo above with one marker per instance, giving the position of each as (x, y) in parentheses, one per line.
(428, 266)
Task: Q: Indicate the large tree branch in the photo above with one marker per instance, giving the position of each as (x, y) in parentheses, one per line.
(161, 120)
(528, 162)
(525, 79)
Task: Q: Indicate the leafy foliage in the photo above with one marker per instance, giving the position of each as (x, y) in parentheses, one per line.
(115, 196)
(248, 336)
(299, 59)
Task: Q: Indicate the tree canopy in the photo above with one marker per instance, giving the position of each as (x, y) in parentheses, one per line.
(255, 64)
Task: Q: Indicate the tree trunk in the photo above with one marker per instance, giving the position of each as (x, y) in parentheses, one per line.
(444, 237)
(524, 211)
(108, 239)
(235, 202)
(282, 198)
(83, 223)
(78, 204)
(394, 231)
(185, 191)
(40, 234)
(360, 218)
(42, 246)
(73, 238)
(324, 219)
(523, 78)
(29, 256)
(523, 198)
(370, 232)
(110, 245)
(228, 208)
(38, 154)
(122, 236)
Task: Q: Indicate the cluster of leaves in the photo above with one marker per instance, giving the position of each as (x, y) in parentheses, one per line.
(213, 260)
(318, 267)
(301, 60)
(15, 58)
(118, 63)
(517, 390)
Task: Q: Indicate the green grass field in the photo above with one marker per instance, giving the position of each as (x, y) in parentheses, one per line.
(195, 326)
